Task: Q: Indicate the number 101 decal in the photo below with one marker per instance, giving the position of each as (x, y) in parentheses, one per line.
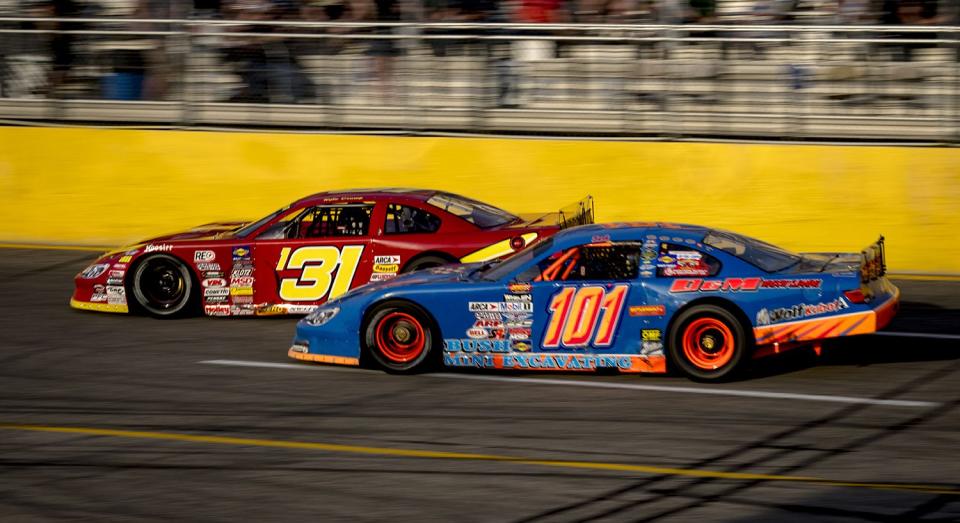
(577, 313)
(317, 264)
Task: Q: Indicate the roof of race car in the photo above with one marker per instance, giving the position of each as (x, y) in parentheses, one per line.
(361, 194)
(630, 231)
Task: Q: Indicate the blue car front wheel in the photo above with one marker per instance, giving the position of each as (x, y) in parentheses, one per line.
(400, 337)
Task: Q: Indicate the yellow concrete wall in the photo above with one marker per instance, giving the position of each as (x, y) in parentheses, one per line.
(107, 187)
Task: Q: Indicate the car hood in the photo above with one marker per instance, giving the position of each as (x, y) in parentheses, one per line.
(210, 231)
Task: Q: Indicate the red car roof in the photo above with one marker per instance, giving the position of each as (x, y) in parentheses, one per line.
(377, 193)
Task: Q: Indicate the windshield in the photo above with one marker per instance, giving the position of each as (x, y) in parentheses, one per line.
(479, 214)
(768, 257)
(250, 227)
(518, 260)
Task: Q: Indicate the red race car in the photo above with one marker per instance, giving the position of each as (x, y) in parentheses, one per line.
(308, 252)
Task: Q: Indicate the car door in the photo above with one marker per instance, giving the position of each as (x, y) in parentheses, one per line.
(580, 297)
(323, 252)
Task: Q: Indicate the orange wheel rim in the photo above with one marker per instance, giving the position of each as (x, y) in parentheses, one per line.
(708, 343)
(400, 337)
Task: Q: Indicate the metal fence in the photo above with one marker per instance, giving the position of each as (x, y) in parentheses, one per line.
(751, 81)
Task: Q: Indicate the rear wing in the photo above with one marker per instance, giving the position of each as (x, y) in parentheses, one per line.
(873, 263)
(580, 213)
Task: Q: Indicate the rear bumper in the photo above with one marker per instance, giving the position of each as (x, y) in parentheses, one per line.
(853, 323)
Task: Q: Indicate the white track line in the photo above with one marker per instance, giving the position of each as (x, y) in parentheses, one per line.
(716, 391)
(919, 335)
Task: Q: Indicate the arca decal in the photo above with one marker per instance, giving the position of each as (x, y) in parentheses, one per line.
(575, 314)
(325, 271)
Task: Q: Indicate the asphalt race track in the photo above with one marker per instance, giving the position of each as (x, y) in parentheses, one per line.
(117, 418)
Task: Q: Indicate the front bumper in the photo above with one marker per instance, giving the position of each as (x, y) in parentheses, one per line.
(99, 307)
(321, 358)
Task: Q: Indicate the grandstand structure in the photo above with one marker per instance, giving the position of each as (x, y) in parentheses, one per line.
(734, 78)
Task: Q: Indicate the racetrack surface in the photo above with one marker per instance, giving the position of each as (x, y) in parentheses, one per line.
(118, 418)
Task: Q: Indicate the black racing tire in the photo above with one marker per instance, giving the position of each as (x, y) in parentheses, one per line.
(425, 262)
(401, 337)
(163, 287)
(708, 343)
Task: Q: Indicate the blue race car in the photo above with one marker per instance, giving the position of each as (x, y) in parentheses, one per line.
(633, 297)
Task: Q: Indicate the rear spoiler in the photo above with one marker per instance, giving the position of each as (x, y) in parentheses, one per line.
(580, 213)
(873, 262)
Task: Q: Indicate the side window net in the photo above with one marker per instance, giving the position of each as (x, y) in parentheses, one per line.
(595, 261)
(403, 219)
(336, 221)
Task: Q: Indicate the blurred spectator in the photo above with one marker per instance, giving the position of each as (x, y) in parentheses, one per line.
(456, 11)
(911, 12)
(383, 50)
(266, 62)
(61, 44)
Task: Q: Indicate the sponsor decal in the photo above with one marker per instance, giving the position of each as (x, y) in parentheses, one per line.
(516, 316)
(243, 281)
(241, 253)
(215, 299)
(520, 333)
(648, 310)
(481, 306)
(520, 323)
(455, 345)
(520, 360)
(98, 297)
(381, 276)
(116, 295)
(520, 287)
(650, 335)
(114, 281)
(120, 266)
(523, 306)
(202, 266)
(94, 271)
(241, 291)
(241, 310)
(116, 274)
(160, 247)
(386, 260)
(799, 311)
(648, 255)
(204, 256)
(665, 261)
(686, 271)
(270, 310)
(300, 309)
(125, 259)
(477, 333)
(299, 348)
(799, 283)
(651, 348)
(216, 291)
(242, 264)
(213, 282)
(243, 299)
(517, 297)
(730, 284)
(212, 274)
(487, 315)
(386, 267)
(488, 324)
(241, 273)
(646, 274)
(216, 310)
(521, 346)
(600, 238)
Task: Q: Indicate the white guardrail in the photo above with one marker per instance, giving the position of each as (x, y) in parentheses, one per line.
(889, 83)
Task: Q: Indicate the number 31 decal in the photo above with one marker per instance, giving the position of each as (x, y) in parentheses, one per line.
(317, 265)
(574, 314)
